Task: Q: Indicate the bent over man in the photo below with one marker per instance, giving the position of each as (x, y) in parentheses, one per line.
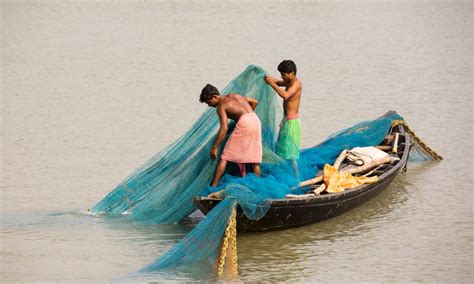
(244, 146)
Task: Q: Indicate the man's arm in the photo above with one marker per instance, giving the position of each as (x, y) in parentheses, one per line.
(222, 130)
(288, 94)
(253, 102)
(278, 82)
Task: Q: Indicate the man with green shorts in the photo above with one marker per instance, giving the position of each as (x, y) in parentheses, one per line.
(289, 138)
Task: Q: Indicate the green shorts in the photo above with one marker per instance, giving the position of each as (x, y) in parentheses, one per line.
(289, 139)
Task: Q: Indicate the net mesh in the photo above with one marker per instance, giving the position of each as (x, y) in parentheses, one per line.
(201, 246)
(162, 190)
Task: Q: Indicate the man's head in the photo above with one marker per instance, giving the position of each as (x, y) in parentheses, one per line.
(209, 95)
(287, 70)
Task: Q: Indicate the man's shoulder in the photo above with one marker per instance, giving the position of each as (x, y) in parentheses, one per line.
(233, 97)
(299, 83)
(229, 99)
(296, 84)
(299, 86)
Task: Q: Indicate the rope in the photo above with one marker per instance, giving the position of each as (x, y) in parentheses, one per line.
(230, 238)
(425, 147)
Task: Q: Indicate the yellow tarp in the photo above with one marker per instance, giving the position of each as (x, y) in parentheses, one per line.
(336, 181)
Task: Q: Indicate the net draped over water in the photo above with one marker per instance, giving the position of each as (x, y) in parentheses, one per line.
(162, 190)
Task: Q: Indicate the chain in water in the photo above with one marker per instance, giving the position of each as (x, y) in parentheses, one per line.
(233, 241)
(230, 238)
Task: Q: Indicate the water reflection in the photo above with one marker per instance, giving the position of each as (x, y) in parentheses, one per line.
(283, 255)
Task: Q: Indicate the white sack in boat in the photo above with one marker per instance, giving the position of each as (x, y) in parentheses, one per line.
(364, 155)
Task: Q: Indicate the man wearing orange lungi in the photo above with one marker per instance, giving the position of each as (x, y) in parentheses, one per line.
(244, 146)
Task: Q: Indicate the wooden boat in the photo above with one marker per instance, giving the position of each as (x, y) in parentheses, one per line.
(295, 212)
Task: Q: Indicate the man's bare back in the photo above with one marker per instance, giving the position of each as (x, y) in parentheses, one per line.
(236, 105)
(231, 106)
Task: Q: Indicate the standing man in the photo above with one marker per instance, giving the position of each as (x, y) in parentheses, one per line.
(289, 137)
(244, 146)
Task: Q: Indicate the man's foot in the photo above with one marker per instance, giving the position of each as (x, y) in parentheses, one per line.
(217, 195)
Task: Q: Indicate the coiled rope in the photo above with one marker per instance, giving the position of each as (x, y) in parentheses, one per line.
(425, 147)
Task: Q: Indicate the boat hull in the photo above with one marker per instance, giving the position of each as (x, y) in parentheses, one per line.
(289, 213)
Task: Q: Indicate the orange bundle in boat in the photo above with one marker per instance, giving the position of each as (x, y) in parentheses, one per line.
(339, 181)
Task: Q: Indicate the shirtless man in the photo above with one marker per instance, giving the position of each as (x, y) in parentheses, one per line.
(289, 137)
(244, 146)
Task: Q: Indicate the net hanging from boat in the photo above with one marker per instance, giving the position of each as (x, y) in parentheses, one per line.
(251, 193)
(419, 151)
(201, 247)
(162, 190)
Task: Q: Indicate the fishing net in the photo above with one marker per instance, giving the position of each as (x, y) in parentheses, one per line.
(419, 151)
(162, 190)
(201, 245)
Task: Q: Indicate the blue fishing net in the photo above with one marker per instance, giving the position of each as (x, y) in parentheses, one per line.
(201, 245)
(162, 190)
(253, 193)
(278, 179)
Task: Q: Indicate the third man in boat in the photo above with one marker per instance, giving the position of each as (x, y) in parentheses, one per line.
(244, 145)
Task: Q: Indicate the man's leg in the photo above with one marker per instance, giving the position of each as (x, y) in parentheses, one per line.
(256, 169)
(219, 172)
(242, 168)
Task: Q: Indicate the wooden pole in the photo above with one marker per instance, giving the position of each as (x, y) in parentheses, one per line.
(320, 189)
(341, 158)
(317, 179)
(395, 143)
(309, 182)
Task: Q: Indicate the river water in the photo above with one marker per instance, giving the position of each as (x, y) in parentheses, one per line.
(92, 89)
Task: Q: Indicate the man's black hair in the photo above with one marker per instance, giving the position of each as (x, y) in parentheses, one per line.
(207, 92)
(287, 66)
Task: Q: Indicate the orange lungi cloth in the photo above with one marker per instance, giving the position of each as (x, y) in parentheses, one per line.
(244, 145)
